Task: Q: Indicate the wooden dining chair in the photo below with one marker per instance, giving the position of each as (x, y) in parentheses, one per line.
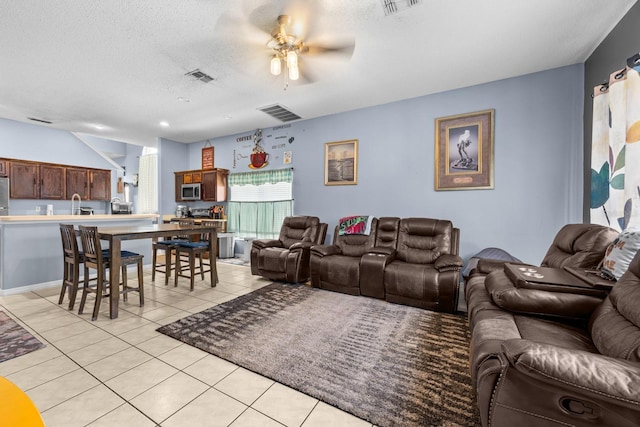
(168, 246)
(72, 258)
(192, 250)
(98, 259)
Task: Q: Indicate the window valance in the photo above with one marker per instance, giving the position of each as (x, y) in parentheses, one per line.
(260, 178)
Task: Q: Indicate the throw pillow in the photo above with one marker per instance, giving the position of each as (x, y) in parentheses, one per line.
(620, 253)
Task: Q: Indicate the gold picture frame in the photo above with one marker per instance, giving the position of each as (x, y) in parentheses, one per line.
(464, 151)
(341, 162)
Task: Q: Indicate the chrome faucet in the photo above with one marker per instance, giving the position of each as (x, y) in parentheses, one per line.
(73, 198)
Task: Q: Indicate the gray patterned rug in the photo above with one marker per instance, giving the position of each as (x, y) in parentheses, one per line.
(389, 364)
(14, 339)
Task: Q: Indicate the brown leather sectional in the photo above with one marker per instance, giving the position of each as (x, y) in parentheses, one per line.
(553, 358)
(410, 261)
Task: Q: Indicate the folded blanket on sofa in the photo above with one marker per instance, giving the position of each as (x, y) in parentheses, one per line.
(355, 224)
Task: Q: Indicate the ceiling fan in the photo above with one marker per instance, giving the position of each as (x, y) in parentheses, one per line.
(286, 42)
(289, 49)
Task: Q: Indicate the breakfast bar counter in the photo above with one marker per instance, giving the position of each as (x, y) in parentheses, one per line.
(31, 248)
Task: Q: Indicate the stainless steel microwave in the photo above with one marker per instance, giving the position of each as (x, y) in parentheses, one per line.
(190, 191)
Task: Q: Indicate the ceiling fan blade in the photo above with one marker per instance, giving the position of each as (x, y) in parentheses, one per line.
(345, 49)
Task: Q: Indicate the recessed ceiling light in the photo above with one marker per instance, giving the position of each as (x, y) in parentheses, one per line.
(98, 127)
(183, 99)
(164, 124)
(228, 117)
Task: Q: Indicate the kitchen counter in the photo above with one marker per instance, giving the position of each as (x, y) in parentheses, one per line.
(31, 249)
(74, 218)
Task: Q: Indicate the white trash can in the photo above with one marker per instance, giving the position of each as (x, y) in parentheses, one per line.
(246, 254)
(225, 245)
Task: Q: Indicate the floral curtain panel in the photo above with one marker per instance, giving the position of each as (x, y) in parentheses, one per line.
(615, 155)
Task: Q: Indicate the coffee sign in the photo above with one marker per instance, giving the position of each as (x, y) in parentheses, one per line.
(207, 157)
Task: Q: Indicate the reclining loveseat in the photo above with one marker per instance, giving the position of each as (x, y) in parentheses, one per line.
(410, 261)
(554, 358)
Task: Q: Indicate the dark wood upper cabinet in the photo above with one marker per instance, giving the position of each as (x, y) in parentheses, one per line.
(24, 180)
(4, 168)
(99, 184)
(77, 183)
(214, 185)
(52, 182)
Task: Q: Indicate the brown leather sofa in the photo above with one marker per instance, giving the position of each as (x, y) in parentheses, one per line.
(410, 261)
(287, 259)
(542, 371)
(503, 318)
(575, 245)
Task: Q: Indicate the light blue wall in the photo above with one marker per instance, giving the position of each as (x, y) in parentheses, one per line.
(538, 162)
(27, 141)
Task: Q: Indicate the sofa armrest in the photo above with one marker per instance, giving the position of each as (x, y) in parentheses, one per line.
(449, 262)
(325, 250)
(266, 243)
(596, 374)
(506, 295)
(301, 246)
(382, 250)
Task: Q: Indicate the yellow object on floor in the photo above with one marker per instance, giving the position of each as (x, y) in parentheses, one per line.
(16, 408)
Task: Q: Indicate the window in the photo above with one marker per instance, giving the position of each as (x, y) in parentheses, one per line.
(148, 181)
(259, 202)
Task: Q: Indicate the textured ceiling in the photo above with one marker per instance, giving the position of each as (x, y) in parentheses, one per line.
(116, 68)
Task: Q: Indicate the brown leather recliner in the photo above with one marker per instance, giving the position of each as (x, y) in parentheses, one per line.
(540, 372)
(575, 245)
(426, 267)
(355, 263)
(287, 259)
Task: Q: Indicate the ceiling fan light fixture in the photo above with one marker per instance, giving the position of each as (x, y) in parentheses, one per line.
(276, 65)
(294, 74)
(292, 60)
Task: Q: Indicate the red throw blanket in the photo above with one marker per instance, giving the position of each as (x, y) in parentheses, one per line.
(355, 224)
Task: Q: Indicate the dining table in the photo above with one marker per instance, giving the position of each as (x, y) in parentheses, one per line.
(115, 236)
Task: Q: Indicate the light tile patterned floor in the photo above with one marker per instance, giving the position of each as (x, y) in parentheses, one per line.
(123, 373)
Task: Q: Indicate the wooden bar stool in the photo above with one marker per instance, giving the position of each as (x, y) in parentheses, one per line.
(98, 259)
(72, 258)
(168, 246)
(190, 251)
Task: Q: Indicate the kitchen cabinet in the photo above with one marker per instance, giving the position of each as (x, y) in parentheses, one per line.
(52, 182)
(24, 180)
(99, 184)
(178, 188)
(214, 185)
(77, 182)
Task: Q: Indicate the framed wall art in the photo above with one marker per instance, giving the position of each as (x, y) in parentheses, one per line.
(464, 151)
(341, 162)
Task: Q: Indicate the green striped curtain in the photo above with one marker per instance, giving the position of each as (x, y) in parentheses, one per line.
(261, 219)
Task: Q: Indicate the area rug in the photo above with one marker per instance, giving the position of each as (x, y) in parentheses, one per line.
(14, 339)
(388, 364)
(235, 261)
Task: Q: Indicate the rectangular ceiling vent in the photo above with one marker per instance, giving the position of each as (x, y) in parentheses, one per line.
(39, 120)
(279, 112)
(199, 75)
(392, 7)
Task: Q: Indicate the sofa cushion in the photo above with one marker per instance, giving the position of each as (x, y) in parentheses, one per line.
(423, 240)
(579, 245)
(299, 229)
(615, 325)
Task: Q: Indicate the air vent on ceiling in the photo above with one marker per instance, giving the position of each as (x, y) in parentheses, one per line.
(39, 120)
(394, 6)
(280, 113)
(197, 74)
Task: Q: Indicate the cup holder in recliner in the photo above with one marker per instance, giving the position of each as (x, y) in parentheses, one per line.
(580, 408)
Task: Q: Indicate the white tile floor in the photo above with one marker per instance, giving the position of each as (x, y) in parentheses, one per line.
(123, 373)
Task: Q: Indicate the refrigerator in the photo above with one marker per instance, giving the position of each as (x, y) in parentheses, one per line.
(4, 196)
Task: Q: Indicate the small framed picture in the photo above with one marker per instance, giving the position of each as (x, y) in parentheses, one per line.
(341, 162)
(464, 151)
